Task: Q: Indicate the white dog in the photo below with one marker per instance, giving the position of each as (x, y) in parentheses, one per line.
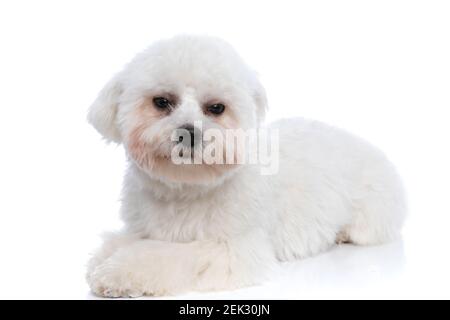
(221, 226)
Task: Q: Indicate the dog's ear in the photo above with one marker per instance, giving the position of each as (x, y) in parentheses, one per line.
(260, 97)
(102, 113)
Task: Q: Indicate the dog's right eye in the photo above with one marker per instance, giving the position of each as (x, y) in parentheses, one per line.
(161, 102)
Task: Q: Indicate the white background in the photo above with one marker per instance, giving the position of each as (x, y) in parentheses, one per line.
(380, 69)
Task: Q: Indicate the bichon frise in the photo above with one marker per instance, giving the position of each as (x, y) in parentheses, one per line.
(214, 225)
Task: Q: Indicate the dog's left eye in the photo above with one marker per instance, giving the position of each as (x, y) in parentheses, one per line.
(216, 108)
(161, 102)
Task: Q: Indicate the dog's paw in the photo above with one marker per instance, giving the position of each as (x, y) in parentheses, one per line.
(113, 291)
(122, 276)
(114, 281)
(108, 287)
(152, 268)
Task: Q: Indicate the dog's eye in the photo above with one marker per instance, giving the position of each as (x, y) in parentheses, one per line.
(216, 109)
(161, 102)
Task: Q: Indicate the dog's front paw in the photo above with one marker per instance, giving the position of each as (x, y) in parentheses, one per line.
(113, 291)
(132, 273)
(157, 268)
(113, 281)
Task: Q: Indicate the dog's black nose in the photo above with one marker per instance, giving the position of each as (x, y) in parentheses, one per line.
(193, 134)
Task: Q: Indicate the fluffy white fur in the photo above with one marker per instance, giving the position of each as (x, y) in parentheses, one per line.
(204, 229)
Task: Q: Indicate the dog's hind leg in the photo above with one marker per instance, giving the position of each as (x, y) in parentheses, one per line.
(379, 210)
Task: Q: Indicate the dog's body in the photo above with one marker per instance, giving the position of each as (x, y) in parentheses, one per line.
(228, 229)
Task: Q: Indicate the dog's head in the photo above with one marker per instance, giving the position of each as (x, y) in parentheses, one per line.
(178, 87)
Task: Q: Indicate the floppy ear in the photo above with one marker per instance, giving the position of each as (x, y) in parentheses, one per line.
(260, 97)
(102, 113)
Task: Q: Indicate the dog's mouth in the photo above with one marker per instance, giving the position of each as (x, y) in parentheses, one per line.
(150, 155)
(182, 165)
(176, 154)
